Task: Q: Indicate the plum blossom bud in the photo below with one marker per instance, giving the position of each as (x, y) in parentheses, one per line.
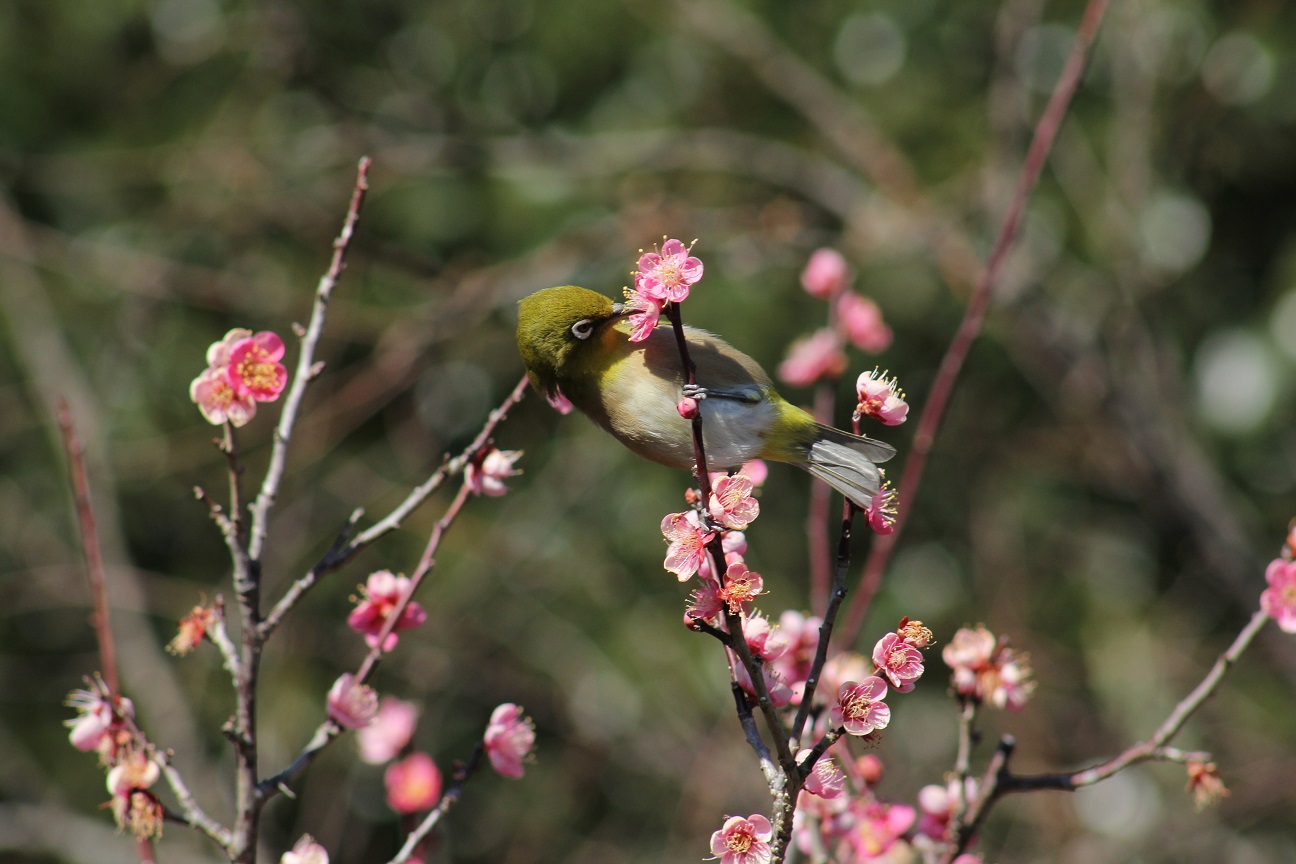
(812, 358)
(305, 851)
(351, 704)
(743, 841)
(860, 320)
(687, 407)
(825, 274)
(413, 784)
(509, 739)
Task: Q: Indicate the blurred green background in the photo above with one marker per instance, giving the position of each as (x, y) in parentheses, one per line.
(1118, 464)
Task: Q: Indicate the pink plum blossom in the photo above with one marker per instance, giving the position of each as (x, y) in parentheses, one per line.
(305, 851)
(732, 504)
(509, 739)
(898, 661)
(880, 398)
(802, 635)
(741, 587)
(812, 358)
(734, 546)
(391, 729)
(1278, 601)
(254, 368)
(383, 592)
(351, 704)
(915, 632)
(986, 670)
(134, 807)
(643, 317)
(743, 841)
(882, 511)
(859, 707)
(688, 540)
(825, 780)
(487, 476)
(413, 784)
(214, 395)
(99, 716)
(669, 274)
(860, 320)
(704, 603)
(877, 828)
(765, 640)
(825, 274)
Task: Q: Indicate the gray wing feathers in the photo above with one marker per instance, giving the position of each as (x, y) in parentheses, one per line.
(847, 463)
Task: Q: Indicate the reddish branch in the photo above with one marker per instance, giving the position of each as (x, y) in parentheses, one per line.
(974, 316)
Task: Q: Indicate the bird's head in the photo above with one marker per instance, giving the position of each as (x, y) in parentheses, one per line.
(560, 332)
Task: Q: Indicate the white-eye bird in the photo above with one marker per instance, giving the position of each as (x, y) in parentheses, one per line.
(575, 341)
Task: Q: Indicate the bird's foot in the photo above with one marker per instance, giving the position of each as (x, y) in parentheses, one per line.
(695, 391)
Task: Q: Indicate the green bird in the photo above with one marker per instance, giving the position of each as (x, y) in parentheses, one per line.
(575, 342)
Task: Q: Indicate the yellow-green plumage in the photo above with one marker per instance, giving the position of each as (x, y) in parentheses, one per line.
(574, 341)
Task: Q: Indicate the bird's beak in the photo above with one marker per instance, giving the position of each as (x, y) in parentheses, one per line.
(621, 310)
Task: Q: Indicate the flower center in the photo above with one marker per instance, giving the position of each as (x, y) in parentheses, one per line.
(739, 842)
(257, 371)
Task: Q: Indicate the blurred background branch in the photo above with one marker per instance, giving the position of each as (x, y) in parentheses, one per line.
(1116, 462)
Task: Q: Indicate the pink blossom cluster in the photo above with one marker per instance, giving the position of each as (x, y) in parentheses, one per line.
(848, 822)
(665, 275)
(105, 724)
(837, 813)
(242, 370)
(854, 320)
(987, 671)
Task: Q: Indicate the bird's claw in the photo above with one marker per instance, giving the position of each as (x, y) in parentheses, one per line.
(695, 391)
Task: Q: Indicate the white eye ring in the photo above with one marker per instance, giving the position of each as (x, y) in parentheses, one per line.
(583, 328)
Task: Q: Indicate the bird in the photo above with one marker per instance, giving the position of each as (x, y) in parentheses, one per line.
(575, 343)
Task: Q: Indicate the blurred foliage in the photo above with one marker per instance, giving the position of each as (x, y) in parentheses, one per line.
(1118, 463)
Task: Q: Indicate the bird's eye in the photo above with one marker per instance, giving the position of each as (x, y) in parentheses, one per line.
(583, 328)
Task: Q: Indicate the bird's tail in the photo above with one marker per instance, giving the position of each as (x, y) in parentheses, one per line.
(848, 463)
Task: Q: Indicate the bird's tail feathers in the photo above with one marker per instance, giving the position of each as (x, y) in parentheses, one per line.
(848, 463)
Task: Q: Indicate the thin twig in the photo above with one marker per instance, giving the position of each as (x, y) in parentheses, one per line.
(448, 800)
(999, 780)
(306, 367)
(340, 554)
(974, 315)
(99, 620)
